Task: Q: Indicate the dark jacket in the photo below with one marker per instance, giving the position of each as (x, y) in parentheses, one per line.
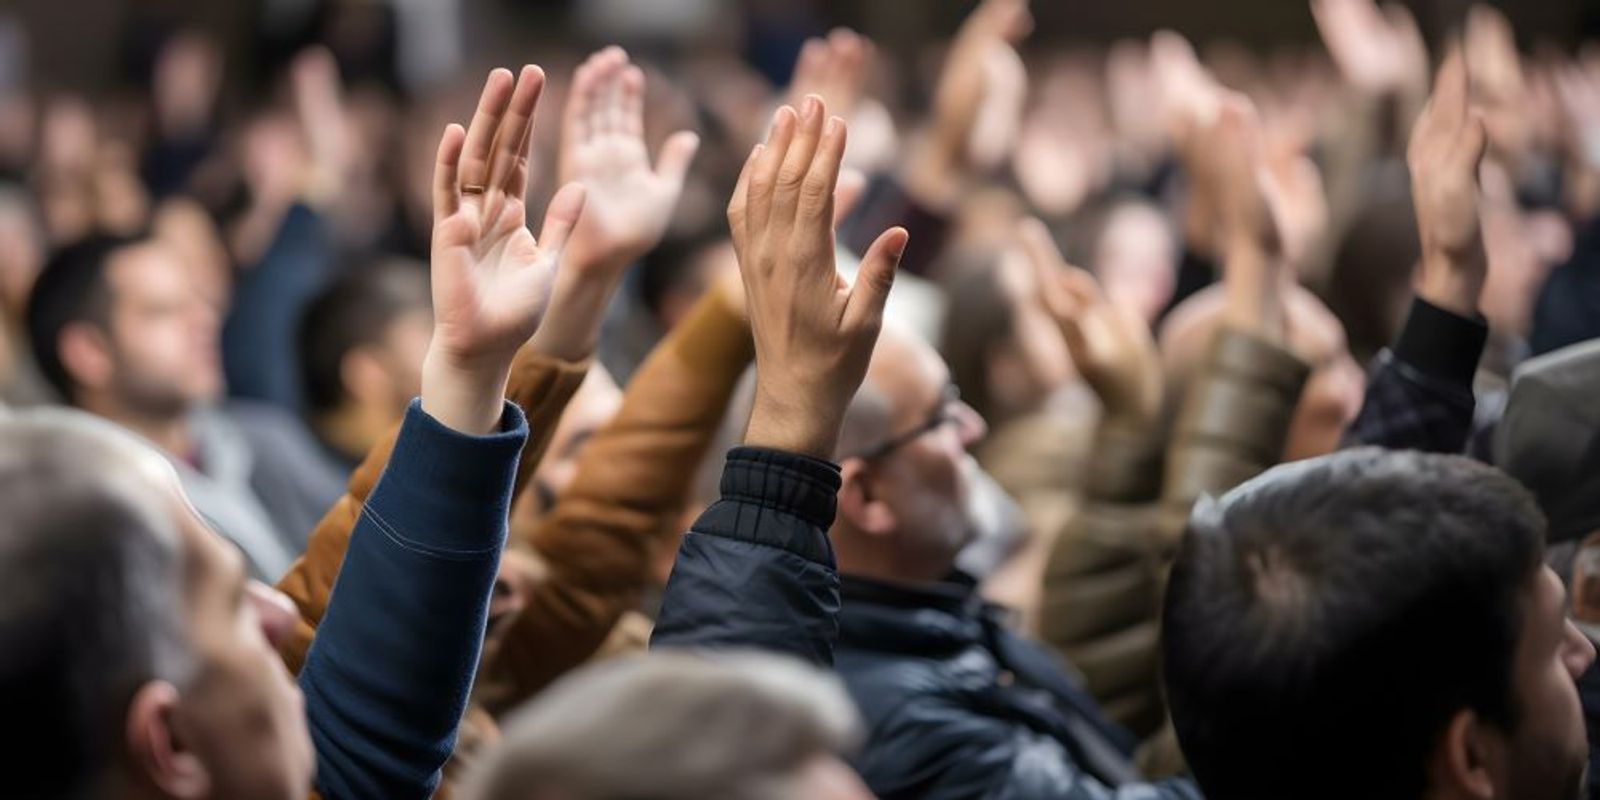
(387, 679)
(1420, 395)
(956, 707)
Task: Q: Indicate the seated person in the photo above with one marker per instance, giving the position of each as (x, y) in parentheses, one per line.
(120, 330)
(104, 562)
(361, 345)
(955, 705)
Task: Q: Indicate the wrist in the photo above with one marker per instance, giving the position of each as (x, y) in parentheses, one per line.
(1451, 285)
(465, 395)
(571, 327)
(1254, 302)
(776, 424)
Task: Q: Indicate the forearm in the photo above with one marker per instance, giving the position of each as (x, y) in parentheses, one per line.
(259, 338)
(1420, 396)
(757, 570)
(388, 678)
(600, 539)
(540, 386)
(1234, 420)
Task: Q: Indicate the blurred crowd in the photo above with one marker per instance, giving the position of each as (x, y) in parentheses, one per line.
(1147, 420)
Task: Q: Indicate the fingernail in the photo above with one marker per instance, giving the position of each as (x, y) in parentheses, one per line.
(832, 128)
(813, 107)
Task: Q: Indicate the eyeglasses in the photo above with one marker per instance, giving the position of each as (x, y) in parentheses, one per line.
(945, 413)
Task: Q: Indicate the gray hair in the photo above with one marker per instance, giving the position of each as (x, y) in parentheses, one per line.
(671, 726)
(89, 602)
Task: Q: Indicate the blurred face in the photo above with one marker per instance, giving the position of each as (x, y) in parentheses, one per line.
(404, 346)
(1136, 260)
(1547, 756)
(596, 402)
(241, 714)
(924, 481)
(163, 334)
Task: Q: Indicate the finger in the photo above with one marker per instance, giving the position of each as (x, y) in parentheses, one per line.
(764, 173)
(808, 68)
(1039, 244)
(606, 65)
(446, 193)
(561, 217)
(1473, 142)
(1449, 102)
(869, 293)
(477, 148)
(616, 121)
(847, 193)
(515, 127)
(517, 183)
(575, 119)
(815, 201)
(677, 153)
(632, 106)
(797, 161)
(738, 203)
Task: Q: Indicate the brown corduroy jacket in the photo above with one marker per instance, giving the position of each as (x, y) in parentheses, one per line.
(598, 541)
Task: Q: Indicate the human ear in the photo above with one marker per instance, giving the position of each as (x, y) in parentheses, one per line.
(155, 750)
(1466, 759)
(860, 504)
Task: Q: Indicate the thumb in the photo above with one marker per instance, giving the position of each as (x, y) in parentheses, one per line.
(561, 217)
(677, 153)
(875, 278)
(1474, 141)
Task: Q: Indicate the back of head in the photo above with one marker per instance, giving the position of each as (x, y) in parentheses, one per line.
(670, 726)
(71, 288)
(353, 312)
(1325, 621)
(88, 598)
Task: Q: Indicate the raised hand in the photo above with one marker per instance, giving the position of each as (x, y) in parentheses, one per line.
(1111, 345)
(1447, 146)
(602, 147)
(630, 202)
(814, 331)
(491, 278)
(1377, 50)
(320, 112)
(977, 81)
(833, 68)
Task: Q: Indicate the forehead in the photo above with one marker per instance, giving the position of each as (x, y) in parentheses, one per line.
(142, 266)
(908, 372)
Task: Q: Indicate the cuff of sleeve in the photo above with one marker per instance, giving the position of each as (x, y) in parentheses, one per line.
(1441, 344)
(455, 488)
(803, 486)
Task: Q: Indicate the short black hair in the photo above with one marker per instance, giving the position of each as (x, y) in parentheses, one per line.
(89, 603)
(1325, 621)
(354, 311)
(71, 288)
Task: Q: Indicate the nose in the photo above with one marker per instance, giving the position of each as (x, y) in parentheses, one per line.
(970, 424)
(1580, 652)
(275, 610)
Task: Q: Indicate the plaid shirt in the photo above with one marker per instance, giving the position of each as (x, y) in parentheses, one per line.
(1420, 395)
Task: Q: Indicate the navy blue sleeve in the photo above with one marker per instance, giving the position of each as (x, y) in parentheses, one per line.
(756, 570)
(1420, 396)
(386, 681)
(259, 351)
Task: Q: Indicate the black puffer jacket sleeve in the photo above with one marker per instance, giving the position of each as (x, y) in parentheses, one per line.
(756, 570)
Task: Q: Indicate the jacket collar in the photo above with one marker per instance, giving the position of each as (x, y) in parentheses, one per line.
(908, 618)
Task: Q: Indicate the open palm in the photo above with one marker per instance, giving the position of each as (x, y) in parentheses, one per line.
(629, 202)
(491, 278)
